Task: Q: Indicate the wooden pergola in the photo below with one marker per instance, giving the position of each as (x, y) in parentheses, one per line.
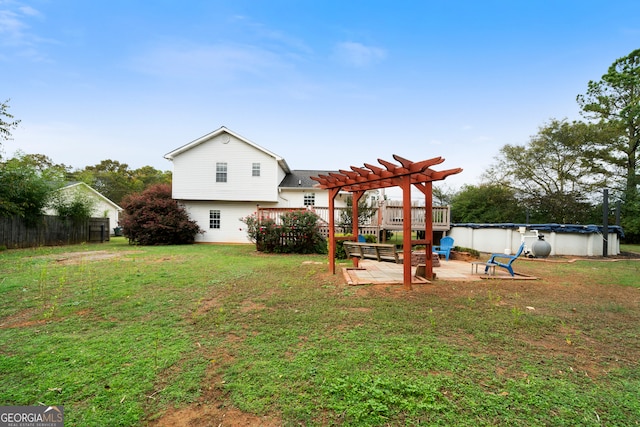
(358, 180)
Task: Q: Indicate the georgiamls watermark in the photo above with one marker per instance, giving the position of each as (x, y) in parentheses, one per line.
(31, 416)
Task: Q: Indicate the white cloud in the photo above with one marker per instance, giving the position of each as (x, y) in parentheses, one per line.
(29, 11)
(357, 54)
(221, 61)
(17, 35)
(11, 27)
(257, 51)
(266, 34)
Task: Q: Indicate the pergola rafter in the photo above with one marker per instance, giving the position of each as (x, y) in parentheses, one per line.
(358, 180)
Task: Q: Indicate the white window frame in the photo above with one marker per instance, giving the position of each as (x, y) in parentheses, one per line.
(255, 169)
(221, 172)
(309, 199)
(215, 219)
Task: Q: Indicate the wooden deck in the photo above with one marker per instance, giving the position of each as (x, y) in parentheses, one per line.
(385, 218)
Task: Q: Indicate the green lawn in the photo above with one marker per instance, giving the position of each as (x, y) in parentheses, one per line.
(121, 338)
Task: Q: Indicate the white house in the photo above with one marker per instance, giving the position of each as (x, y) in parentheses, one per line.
(222, 177)
(102, 206)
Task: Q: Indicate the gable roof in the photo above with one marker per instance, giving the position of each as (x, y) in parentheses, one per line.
(172, 154)
(302, 178)
(93, 190)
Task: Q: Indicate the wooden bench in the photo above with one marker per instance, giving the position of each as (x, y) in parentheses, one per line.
(376, 251)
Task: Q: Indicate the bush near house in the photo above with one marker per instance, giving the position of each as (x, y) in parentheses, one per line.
(154, 218)
(297, 232)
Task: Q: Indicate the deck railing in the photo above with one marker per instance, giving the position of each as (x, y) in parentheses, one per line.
(392, 218)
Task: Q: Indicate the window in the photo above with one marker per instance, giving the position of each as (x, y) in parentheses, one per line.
(310, 199)
(255, 169)
(221, 172)
(214, 218)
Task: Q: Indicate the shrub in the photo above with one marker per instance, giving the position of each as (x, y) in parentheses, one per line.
(370, 238)
(296, 232)
(340, 252)
(471, 251)
(78, 207)
(154, 218)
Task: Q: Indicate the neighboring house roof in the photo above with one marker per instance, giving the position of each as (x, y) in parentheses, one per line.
(94, 191)
(172, 154)
(302, 178)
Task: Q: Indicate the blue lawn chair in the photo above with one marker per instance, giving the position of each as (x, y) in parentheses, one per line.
(445, 246)
(506, 264)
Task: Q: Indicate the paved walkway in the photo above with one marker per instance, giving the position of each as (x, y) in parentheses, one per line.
(373, 272)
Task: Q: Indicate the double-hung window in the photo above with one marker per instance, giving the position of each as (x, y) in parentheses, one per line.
(221, 172)
(310, 199)
(255, 169)
(214, 218)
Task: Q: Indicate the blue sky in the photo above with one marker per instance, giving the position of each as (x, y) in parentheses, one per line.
(324, 84)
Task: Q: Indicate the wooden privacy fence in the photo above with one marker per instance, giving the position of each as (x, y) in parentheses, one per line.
(51, 231)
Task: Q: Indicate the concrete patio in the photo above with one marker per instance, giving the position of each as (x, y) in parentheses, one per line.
(375, 273)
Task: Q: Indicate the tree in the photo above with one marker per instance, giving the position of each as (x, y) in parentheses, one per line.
(442, 195)
(562, 208)
(154, 218)
(366, 210)
(147, 176)
(554, 175)
(486, 203)
(43, 164)
(615, 102)
(25, 190)
(110, 178)
(115, 180)
(7, 123)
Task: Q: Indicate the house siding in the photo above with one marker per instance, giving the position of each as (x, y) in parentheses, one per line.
(294, 198)
(195, 187)
(194, 176)
(232, 229)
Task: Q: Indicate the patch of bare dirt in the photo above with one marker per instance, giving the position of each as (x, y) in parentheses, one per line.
(212, 414)
(214, 408)
(69, 258)
(29, 317)
(22, 319)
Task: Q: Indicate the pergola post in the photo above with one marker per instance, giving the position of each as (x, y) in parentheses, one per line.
(428, 229)
(333, 192)
(406, 231)
(355, 199)
(427, 189)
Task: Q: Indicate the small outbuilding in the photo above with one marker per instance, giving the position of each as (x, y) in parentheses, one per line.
(102, 206)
